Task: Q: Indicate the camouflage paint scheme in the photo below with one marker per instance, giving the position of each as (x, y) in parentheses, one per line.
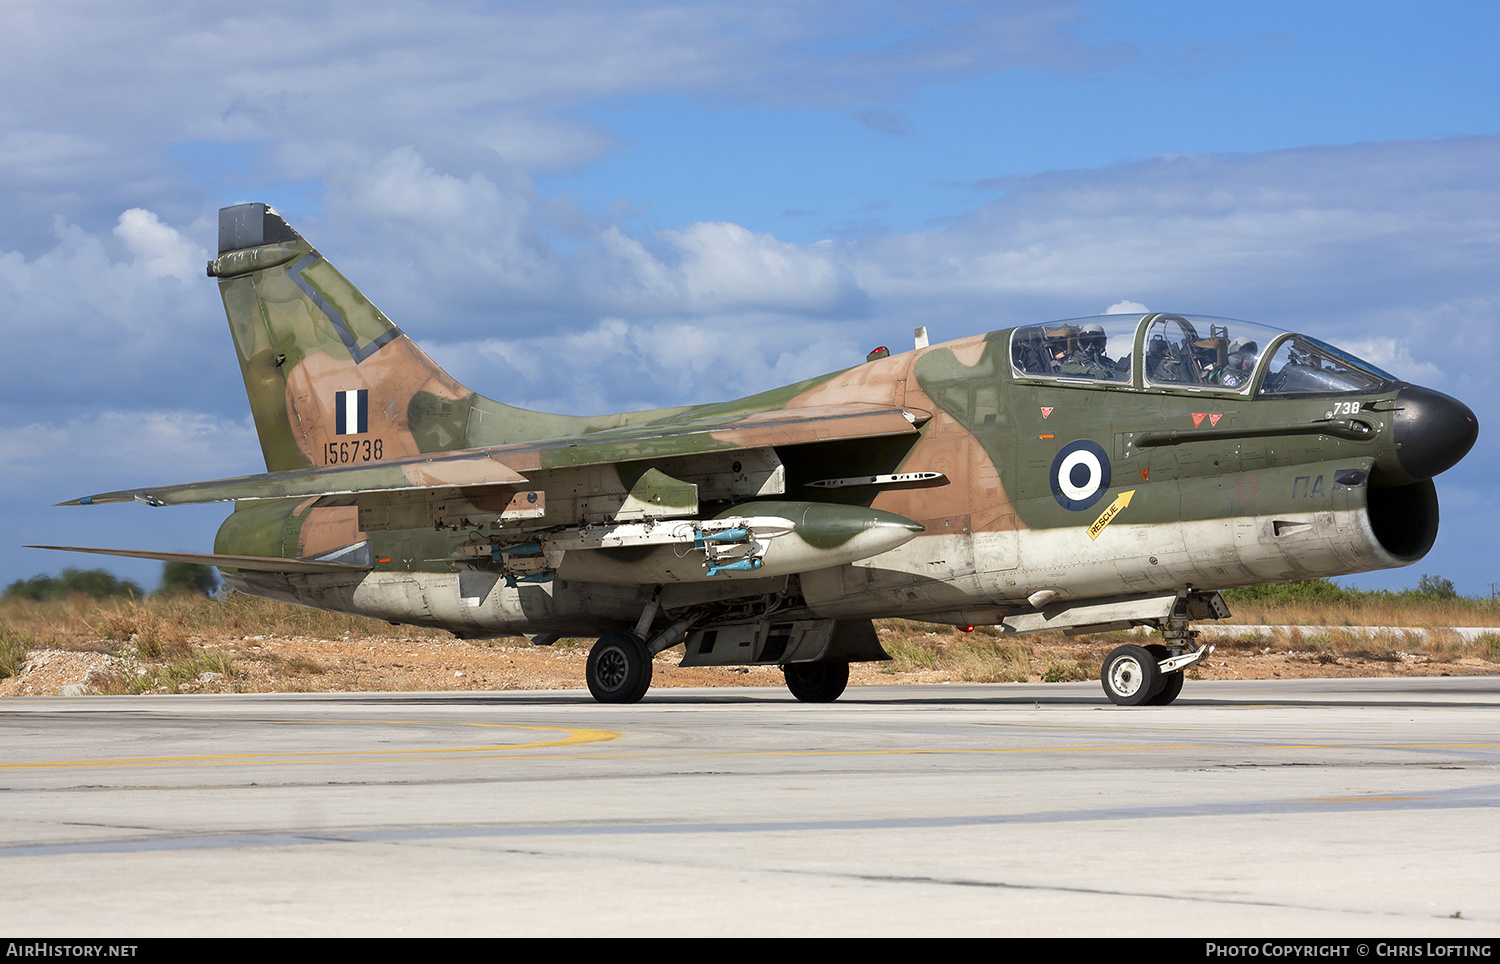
(421, 501)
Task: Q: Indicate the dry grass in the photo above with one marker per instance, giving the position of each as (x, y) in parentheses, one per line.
(161, 643)
(166, 644)
(1374, 611)
(162, 625)
(13, 647)
(980, 655)
(1352, 641)
(983, 656)
(167, 675)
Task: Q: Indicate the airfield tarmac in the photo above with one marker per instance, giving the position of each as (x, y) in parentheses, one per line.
(1325, 807)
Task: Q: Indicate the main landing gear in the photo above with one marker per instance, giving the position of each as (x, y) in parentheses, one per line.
(619, 671)
(813, 656)
(816, 682)
(619, 668)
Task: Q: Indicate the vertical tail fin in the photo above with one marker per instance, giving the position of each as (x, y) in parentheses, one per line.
(331, 380)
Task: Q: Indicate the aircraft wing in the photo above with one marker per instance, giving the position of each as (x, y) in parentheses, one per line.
(502, 465)
(249, 563)
(792, 426)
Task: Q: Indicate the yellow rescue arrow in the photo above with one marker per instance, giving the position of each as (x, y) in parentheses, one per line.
(1108, 515)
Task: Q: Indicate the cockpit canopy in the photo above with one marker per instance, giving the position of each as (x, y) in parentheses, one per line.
(1190, 352)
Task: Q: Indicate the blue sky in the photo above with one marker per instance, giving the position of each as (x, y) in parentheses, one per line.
(597, 206)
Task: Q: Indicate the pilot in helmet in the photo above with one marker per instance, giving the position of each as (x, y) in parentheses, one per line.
(1089, 359)
(1236, 372)
(1242, 354)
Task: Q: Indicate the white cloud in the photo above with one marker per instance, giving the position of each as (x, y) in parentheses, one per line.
(137, 447)
(1286, 237)
(94, 92)
(724, 266)
(158, 249)
(1394, 355)
(107, 322)
(1126, 308)
(620, 365)
(501, 251)
(455, 228)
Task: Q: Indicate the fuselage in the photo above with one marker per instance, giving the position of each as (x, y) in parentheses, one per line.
(1048, 463)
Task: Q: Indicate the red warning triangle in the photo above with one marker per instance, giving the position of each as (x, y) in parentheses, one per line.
(1046, 410)
(1198, 419)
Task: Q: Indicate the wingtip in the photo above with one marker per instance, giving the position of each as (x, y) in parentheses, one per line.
(102, 498)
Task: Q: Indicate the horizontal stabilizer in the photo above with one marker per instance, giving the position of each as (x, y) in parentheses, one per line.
(246, 563)
(473, 468)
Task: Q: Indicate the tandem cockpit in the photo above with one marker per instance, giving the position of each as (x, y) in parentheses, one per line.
(1189, 352)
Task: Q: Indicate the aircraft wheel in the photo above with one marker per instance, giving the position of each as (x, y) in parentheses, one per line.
(1171, 687)
(619, 668)
(1130, 676)
(1171, 683)
(816, 682)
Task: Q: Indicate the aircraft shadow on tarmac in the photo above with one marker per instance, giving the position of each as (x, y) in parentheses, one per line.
(1350, 692)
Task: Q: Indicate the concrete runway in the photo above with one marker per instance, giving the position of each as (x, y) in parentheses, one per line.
(1290, 808)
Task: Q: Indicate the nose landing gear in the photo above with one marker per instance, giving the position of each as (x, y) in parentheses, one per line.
(1146, 675)
(1152, 675)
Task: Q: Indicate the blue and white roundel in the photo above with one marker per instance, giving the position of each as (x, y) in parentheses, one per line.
(1080, 475)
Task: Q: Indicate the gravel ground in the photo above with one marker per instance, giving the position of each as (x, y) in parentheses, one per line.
(261, 664)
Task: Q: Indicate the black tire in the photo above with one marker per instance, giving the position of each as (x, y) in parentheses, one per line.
(1130, 676)
(619, 668)
(816, 682)
(1171, 688)
(1171, 683)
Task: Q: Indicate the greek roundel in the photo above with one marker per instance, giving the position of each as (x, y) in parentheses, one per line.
(1080, 475)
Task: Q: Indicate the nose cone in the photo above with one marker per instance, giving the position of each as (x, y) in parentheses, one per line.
(1432, 431)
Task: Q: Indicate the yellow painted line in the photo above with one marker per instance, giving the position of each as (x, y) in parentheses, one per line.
(573, 737)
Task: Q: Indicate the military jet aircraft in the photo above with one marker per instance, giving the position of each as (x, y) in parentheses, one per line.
(1084, 475)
